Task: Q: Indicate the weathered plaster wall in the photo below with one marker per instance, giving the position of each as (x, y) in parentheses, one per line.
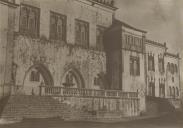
(6, 47)
(58, 59)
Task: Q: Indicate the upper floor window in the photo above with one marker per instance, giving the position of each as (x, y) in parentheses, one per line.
(57, 26)
(29, 20)
(133, 42)
(161, 64)
(172, 68)
(151, 66)
(100, 38)
(82, 33)
(134, 66)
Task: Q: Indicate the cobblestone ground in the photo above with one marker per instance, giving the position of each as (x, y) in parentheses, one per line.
(170, 121)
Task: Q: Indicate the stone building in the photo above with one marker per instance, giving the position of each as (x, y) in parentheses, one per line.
(76, 52)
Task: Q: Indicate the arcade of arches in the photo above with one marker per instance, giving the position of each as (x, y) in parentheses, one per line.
(39, 75)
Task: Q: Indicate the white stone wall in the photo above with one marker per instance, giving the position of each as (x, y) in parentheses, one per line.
(176, 76)
(155, 50)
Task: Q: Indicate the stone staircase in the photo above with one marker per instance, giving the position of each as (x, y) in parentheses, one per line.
(33, 107)
(20, 107)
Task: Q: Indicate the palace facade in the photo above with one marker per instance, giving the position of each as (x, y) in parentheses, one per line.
(76, 52)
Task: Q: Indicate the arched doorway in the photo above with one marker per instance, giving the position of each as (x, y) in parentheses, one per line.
(73, 79)
(35, 76)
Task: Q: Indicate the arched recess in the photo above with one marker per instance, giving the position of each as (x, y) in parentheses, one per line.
(72, 78)
(35, 76)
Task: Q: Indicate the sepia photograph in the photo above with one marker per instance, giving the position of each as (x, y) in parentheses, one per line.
(91, 63)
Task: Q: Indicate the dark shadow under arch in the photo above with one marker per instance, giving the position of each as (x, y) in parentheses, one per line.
(77, 75)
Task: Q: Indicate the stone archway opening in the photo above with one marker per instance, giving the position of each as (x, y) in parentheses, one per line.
(37, 75)
(73, 79)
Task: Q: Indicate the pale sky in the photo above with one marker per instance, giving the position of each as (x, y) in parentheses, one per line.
(161, 18)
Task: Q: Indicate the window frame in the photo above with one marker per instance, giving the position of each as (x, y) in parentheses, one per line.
(82, 44)
(64, 35)
(27, 32)
(134, 59)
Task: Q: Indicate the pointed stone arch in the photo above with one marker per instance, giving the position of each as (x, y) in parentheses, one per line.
(73, 78)
(45, 73)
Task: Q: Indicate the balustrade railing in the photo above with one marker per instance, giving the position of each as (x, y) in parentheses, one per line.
(80, 92)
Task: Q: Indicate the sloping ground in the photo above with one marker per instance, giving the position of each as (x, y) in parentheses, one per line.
(19, 107)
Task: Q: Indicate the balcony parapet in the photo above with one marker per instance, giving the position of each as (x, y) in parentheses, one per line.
(78, 92)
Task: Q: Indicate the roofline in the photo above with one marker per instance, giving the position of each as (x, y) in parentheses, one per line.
(103, 5)
(156, 43)
(172, 55)
(14, 5)
(116, 21)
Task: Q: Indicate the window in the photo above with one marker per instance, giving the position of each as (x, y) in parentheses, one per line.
(35, 76)
(29, 20)
(57, 26)
(173, 93)
(168, 66)
(172, 68)
(82, 33)
(170, 91)
(151, 89)
(69, 79)
(151, 66)
(97, 81)
(161, 90)
(161, 64)
(100, 34)
(173, 79)
(176, 69)
(177, 91)
(134, 66)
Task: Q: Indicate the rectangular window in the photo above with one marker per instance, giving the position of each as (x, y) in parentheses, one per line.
(151, 89)
(29, 20)
(57, 26)
(161, 90)
(100, 38)
(35, 76)
(151, 66)
(161, 64)
(82, 33)
(134, 66)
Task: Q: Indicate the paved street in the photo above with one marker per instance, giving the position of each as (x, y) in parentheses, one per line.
(171, 121)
